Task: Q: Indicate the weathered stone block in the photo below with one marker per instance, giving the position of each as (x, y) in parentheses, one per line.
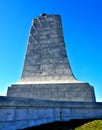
(50, 113)
(31, 123)
(21, 114)
(42, 121)
(65, 113)
(32, 114)
(57, 113)
(7, 114)
(42, 113)
(49, 120)
(22, 124)
(8, 125)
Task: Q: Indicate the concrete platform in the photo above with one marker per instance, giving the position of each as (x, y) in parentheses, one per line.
(80, 92)
(19, 113)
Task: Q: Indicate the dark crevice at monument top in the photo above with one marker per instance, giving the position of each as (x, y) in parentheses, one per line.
(43, 14)
(46, 59)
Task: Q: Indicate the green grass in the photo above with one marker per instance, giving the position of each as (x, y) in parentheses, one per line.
(87, 124)
(93, 125)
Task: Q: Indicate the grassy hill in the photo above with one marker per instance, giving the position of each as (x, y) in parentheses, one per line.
(71, 125)
(93, 125)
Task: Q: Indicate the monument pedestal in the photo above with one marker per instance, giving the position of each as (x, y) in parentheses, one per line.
(79, 92)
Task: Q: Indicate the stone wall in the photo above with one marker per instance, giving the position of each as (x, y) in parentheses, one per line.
(19, 113)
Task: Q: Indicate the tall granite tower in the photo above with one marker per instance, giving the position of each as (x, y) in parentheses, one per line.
(47, 73)
(46, 59)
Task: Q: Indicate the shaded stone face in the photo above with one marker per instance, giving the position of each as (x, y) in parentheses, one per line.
(46, 55)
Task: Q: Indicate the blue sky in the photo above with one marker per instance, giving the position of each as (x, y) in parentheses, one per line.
(82, 27)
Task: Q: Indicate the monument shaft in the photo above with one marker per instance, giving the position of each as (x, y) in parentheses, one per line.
(46, 59)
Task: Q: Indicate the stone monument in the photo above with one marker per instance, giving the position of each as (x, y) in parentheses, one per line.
(47, 91)
(47, 73)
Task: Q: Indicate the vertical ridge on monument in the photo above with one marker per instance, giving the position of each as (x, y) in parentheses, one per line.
(47, 73)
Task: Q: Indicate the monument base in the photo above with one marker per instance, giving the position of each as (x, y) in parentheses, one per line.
(81, 92)
(19, 113)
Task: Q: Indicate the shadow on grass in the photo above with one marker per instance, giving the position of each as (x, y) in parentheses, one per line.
(68, 125)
